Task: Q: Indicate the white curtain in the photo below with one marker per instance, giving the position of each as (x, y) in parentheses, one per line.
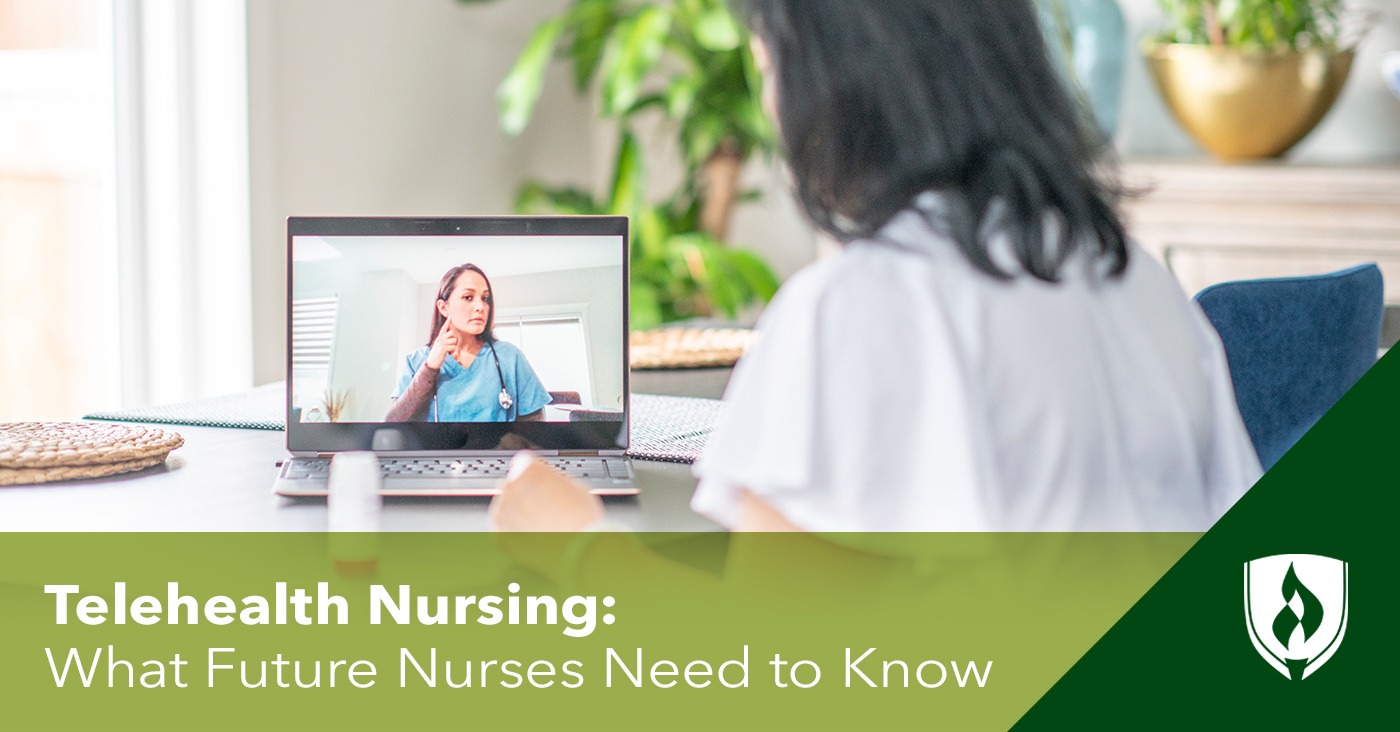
(183, 200)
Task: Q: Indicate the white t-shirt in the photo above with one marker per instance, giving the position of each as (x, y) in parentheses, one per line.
(894, 387)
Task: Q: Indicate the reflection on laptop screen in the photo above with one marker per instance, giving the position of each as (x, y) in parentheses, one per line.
(459, 329)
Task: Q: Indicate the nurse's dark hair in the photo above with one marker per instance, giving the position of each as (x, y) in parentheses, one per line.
(445, 288)
(881, 101)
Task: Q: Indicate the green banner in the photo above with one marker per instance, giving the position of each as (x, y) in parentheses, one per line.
(1279, 617)
(232, 631)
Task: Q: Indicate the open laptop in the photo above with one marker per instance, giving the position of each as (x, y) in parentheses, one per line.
(551, 373)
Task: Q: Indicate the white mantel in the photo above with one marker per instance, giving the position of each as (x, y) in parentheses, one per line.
(1211, 222)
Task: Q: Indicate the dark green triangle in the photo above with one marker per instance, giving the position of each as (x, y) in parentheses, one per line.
(1182, 658)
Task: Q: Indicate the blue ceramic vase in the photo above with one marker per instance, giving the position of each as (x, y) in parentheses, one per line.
(1100, 37)
(1390, 68)
(1089, 40)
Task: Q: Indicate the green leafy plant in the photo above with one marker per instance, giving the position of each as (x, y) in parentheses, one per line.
(1254, 24)
(687, 61)
(678, 270)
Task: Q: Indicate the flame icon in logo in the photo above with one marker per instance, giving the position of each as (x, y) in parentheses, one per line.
(1287, 619)
(1294, 626)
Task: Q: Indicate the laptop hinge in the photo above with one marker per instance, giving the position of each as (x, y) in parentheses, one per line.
(578, 453)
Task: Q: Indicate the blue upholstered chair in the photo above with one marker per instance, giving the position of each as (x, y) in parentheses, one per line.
(1295, 346)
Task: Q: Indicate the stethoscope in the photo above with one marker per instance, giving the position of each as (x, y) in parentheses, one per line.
(505, 399)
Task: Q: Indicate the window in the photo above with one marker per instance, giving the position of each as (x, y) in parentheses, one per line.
(57, 248)
(313, 343)
(183, 211)
(557, 348)
(124, 245)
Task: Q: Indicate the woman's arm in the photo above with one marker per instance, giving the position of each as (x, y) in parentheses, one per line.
(537, 499)
(412, 405)
(535, 416)
(539, 513)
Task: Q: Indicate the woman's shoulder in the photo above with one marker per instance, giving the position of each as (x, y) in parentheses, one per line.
(877, 271)
(416, 357)
(855, 297)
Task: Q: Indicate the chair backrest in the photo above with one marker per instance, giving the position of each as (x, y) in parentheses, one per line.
(564, 397)
(591, 415)
(1295, 345)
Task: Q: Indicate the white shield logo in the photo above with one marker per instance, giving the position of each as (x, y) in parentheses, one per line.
(1295, 606)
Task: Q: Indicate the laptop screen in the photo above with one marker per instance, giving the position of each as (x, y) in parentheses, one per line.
(457, 334)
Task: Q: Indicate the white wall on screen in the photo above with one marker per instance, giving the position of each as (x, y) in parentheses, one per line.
(370, 337)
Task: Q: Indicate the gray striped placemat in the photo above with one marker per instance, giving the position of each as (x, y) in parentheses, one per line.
(263, 408)
(672, 429)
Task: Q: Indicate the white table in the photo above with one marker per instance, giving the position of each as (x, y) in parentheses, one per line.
(221, 481)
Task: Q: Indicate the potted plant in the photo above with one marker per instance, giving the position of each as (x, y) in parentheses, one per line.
(334, 402)
(1250, 79)
(688, 62)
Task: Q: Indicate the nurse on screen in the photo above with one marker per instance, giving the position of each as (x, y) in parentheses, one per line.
(464, 374)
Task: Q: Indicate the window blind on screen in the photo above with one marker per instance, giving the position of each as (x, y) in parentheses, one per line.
(313, 332)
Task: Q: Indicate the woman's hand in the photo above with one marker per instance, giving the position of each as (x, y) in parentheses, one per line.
(536, 498)
(445, 343)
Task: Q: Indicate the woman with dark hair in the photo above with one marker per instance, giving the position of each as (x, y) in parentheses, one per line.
(464, 374)
(988, 351)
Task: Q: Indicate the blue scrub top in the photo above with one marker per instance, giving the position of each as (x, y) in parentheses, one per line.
(473, 394)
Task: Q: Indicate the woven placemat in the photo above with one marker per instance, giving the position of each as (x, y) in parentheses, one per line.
(35, 476)
(42, 452)
(680, 348)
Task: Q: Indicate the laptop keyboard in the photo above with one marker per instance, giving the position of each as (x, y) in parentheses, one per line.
(582, 468)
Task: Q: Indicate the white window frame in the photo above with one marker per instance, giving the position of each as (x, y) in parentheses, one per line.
(557, 312)
(183, 213)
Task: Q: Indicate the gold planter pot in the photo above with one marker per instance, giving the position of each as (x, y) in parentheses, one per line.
(1247, 105)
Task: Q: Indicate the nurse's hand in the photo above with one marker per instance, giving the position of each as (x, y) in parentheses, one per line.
(445, 343)
(536, 498)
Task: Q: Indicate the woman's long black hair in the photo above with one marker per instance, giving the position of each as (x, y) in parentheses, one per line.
(881, 100)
